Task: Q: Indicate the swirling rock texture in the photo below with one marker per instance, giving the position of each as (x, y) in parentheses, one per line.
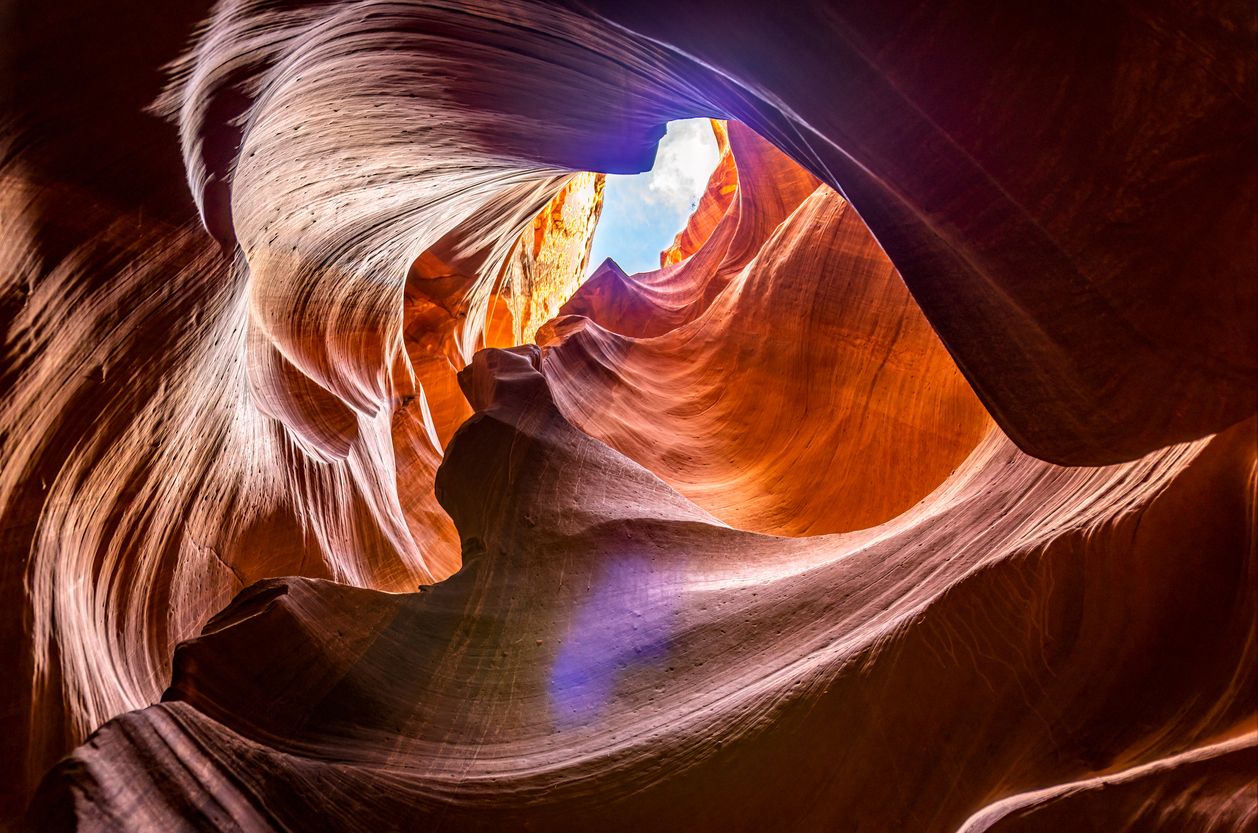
(915, 491)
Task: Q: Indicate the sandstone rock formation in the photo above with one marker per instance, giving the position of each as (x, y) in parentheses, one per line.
(915, 491)
(715, 404)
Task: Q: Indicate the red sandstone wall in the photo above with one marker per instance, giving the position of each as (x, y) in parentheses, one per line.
(974, 326)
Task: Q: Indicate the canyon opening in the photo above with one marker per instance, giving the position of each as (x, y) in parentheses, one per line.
(579, 415)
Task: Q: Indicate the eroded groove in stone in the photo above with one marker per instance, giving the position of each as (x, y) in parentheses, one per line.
(965, 316)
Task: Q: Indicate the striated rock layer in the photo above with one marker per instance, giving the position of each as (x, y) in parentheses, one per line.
(610, 657)
(914, 491)
(716, 405)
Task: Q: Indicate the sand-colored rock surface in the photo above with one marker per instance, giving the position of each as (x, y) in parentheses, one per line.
(718, 407)
(609, 657)
(915, 491)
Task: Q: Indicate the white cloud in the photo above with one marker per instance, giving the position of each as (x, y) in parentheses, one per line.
(685, 159)
(642, 212)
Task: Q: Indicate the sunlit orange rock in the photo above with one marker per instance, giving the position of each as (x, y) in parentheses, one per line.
(550, 261)
(445, 312)
(768, 188)
(914, 491)
(811, 396)
(605, 631)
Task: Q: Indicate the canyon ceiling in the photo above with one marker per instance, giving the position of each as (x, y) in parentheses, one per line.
(915, 490)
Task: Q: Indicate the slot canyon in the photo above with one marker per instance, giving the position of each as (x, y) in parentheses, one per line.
(913, 487)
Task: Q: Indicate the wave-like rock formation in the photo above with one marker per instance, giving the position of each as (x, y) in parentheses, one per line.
(610, 656)
(915, 491)
(733, 423)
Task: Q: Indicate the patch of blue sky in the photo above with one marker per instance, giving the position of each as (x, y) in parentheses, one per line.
(642, 213)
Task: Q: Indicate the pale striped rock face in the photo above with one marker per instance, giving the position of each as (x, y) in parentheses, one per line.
(915, 490)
